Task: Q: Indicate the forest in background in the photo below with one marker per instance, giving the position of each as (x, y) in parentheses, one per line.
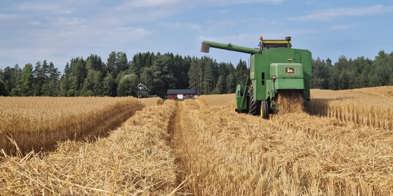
(119, 76)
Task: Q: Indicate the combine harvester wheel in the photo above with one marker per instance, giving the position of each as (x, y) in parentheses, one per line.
(254, 105)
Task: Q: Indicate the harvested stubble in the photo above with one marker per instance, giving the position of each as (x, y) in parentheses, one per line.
(151, 101)
(217, 100)
(136, 159)
(40, 122)
(293, 154)
(382, 91)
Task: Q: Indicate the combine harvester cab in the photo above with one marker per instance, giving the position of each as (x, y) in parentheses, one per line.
(279, 80)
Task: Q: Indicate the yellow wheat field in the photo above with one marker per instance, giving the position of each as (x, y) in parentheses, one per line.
(292, 154)
(135, 159)
(342, 144)
(366, 107)
(39, 122)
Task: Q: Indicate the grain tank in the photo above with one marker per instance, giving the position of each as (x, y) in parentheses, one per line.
(280, 76)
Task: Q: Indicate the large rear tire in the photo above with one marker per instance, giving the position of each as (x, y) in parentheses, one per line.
(254, 106)
(265, 109)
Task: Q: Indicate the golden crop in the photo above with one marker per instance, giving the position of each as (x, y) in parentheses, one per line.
(135, 159)
(341, 145)
(371, 107)
(40, 122)
(292, 154)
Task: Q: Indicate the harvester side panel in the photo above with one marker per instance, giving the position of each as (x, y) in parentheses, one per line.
(259, 75)
(307, 68)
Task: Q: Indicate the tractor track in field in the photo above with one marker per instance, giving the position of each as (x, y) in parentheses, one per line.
(180, 149)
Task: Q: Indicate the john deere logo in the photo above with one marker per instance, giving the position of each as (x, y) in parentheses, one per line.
(290, 70)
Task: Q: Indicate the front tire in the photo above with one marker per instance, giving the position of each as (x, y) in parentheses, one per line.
(254, 106)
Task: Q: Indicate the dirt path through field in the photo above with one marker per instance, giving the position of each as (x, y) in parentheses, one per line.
(177, 141)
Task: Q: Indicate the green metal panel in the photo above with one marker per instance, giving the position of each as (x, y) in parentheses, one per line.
(259, 74)
(307, 69)
(241, 98)
(270, 90)
(286, 70)
(252, 67)
(288, 84)
(288, 76)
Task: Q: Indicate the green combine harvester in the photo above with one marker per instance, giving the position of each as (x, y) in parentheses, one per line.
(280, 77)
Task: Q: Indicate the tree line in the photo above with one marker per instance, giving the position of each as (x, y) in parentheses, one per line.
(349, 73)
(119, 76)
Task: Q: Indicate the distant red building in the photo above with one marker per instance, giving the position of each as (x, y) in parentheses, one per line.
(181, 93)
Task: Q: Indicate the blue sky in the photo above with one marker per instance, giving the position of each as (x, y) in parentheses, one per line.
(59, 30)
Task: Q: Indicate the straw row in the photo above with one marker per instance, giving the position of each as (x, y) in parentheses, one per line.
(40, 123)
(136, 159)
(351, 111)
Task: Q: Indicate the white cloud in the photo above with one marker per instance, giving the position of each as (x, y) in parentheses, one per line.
(64, 34)
(340, 27)
(56, 7)
(40, 31)
(61, 44)
(150, 3)
(37, 7)
(184, 3)
(7, 16)
(330, 14)
(226, 2)
(183, 26)
(58, 30)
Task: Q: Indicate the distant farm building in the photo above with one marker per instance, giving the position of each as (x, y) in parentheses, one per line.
(181, 93)
(143, 91)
